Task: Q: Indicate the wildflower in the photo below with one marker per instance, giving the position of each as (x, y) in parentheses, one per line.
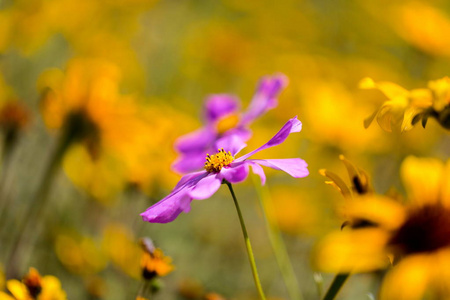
(359, 186)
(406, 108)
(33, 286)
(103, 128)
(79, 254)
(413, 237)
(155, 264)
(121, 247)
(223, 120)
(224, 167)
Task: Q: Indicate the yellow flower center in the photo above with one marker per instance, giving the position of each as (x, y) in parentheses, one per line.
(214, 163)
(226, 123)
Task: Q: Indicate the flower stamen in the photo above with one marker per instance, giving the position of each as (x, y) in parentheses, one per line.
(214, 163)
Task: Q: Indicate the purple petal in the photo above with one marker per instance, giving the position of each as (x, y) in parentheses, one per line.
(235, 173)
(177, 201)
(293, 125)
(167, 209)
(190, 162)
(196, 141)
(232, 143)
(259, 171)
(206, 187)
(295, 167)
(265, 97)
(189, 180)
(220, 105)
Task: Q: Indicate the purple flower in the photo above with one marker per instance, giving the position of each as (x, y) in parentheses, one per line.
(223, 166)
(223, 120)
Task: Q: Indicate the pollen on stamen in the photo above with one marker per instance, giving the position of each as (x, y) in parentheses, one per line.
(214, 163)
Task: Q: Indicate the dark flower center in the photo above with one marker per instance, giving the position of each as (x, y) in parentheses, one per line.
(426, 229)
(80, 127)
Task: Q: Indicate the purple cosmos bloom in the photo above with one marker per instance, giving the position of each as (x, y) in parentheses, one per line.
(223, 166)
(223, 120)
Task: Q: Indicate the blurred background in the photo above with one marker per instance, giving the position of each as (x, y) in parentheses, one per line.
(131, 76)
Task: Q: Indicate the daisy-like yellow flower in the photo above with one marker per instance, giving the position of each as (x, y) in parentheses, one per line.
(153, 261)
(414, 238)
(33, 286)
(106, 130)
(404, 108)
(359, 186)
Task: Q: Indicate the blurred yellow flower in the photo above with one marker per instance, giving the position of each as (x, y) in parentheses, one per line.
(426, 34)
(155, 263)
(333, 117)
(106, 129)
(79, 254)
(404, 108)
(33, 286)
(414, 238)
(122, 248)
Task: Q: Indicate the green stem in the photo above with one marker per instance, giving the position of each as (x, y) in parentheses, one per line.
(30, 227)
(251, 257)
(336, 285)
(278, 246)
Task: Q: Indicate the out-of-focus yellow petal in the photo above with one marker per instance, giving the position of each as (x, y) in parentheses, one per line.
(391, 113)
(380, 210)
(337, 182)
(422, 178)
(426, 34)
(359, 250)
(408, 117)
(390, 90)
(441, 90)
(123, 250)
(51, 289)
(5, 296)
(445, 191)
(409, 279)
(18, 289)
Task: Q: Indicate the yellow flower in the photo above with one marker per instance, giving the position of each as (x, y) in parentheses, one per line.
(33, 286)
(353, 193)
(406, 108)
(413, 237)
(79, 254)
(107, 130)
(425, 34)
(120, 245)
(154, 263)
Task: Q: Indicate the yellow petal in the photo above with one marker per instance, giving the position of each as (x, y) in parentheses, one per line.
(359, 250)
(378, 209)
(18, 289)
(389, 89)
(445, 191)
(337, 182)
(5, 296)
(422, 178)
(408, 280)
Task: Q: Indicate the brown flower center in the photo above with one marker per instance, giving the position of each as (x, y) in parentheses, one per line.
(426, 229)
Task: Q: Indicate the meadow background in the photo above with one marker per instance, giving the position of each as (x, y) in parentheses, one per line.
(164, 58)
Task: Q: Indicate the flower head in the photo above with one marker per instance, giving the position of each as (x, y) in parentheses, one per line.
(413, 237)
(33, 286)
(406, 108)
(222, 167)
(224, 120)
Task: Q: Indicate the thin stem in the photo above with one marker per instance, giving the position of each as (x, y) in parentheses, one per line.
(278, 246)
(251, 257)
(336, 285)
(30, 227)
